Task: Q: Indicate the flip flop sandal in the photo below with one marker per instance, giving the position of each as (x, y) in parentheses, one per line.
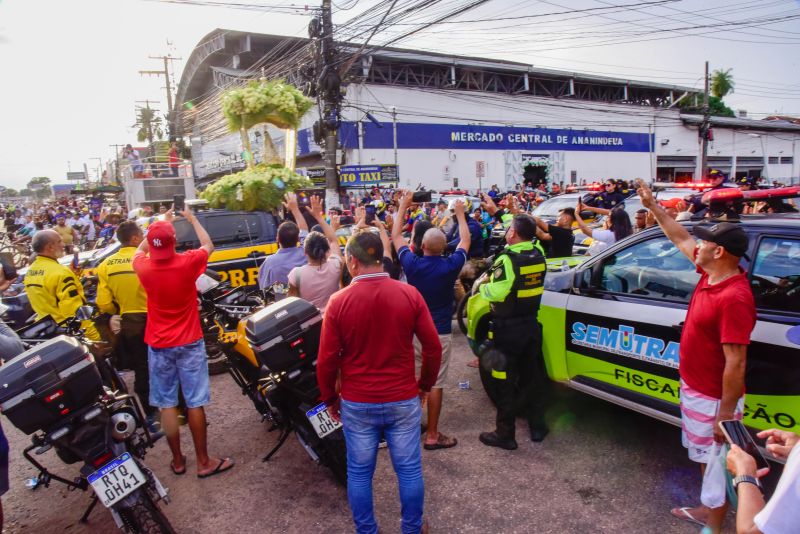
(683, 514)
(219, 469)
(175, 471)
(443, 442)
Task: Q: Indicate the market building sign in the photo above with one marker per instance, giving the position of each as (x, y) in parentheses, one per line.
(476, 137)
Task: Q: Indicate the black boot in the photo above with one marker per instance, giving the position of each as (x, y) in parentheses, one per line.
(492, 439)
(538, 432)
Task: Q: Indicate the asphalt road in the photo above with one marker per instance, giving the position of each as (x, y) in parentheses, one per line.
(602, 469)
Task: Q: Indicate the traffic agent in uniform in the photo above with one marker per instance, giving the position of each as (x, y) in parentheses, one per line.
(120, 294)
(53, 289)
(716, 180)
(512, 355)
(610, 197)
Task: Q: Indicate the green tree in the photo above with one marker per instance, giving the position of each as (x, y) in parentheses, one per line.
(40, 186)
(149, 125)
(716, 107)
(9, 192)
(722, 83)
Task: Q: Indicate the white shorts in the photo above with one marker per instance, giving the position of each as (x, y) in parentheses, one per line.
(698, 413)
(446, 340)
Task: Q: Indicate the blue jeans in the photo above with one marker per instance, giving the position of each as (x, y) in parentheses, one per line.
(364, 425)
(186, 365)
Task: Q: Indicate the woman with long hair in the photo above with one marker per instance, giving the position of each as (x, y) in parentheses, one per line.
(616, 226)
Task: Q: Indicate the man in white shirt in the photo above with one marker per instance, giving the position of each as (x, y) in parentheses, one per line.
(781, 515)
(87, 226)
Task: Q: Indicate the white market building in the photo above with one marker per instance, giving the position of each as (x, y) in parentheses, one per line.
(446, 119)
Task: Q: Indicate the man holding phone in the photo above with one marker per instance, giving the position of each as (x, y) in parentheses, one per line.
(177, 353)
(781, 515)
(714, 339)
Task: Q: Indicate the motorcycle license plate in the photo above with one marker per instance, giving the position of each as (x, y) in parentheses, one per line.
(115, 480)
(322, 421)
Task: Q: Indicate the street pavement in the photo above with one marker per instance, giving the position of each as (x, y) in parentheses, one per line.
(601, 469)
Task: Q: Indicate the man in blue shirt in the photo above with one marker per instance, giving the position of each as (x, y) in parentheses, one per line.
(434, 276)
(275, 269)
(475, 231)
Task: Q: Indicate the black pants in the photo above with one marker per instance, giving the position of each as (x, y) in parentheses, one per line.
(133, 355)
(524, 388)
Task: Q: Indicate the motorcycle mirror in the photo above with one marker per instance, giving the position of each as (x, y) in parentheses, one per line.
(83, 313)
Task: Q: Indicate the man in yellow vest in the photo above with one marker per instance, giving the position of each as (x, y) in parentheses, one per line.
(120, 294)
(53, 289)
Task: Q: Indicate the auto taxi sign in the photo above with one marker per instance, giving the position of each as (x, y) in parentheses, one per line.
(361, 175)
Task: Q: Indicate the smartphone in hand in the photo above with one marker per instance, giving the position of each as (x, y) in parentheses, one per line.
(736, 433)
(179, 203)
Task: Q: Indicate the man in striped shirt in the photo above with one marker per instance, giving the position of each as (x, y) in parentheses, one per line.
(714, 340)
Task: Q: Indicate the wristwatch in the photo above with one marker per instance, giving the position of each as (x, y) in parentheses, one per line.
(745, 478)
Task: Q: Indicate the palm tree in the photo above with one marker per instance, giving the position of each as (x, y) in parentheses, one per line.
(148, 124)
(722, 82)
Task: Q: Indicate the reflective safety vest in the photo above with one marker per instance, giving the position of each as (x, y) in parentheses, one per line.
(118, 288)
(516, 284)
(54, 290)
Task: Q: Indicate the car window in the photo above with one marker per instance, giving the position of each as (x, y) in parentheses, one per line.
(185, 237)
(776, 274)
(653, 268)
(233, 229)
(550, 208)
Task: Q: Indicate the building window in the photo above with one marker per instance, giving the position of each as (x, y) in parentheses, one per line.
(774, 160)
(787, 160)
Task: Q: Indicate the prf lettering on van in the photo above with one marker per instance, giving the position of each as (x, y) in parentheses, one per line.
(239, 277)
(626, 342)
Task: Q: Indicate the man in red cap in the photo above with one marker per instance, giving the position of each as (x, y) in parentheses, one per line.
(177, 353)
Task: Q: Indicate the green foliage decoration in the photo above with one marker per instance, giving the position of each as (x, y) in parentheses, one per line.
(272, 101)
(260, 188)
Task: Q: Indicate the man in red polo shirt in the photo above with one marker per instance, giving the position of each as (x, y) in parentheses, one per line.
(177, 353)
(713, 350)
(380, 396)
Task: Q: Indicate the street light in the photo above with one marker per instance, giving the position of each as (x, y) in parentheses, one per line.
(99, 168)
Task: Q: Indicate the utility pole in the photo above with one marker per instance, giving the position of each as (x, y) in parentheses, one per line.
(116, 161)
(704, 129)
(329, 92)
(165, 73)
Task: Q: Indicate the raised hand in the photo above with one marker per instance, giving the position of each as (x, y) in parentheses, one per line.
(316, 207)
(645, 194)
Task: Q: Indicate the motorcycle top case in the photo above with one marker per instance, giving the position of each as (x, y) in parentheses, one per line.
(285, 335)
(47, 383)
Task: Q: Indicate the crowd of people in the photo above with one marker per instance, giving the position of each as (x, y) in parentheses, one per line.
(407, 255)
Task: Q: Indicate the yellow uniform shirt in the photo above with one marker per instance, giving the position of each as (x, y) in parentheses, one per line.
(66, 233)
(118, 288)
(54, 290)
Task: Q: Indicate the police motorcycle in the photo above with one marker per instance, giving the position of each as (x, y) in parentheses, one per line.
(70, 402)
(270, 344)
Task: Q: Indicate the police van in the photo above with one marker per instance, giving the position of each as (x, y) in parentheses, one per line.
(611, 326)
(242, 240)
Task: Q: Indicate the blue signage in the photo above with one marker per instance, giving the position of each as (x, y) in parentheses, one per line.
(476, 137)
(365, 175)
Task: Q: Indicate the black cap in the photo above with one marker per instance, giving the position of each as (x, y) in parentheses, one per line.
(728, 235)
(715, 174)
